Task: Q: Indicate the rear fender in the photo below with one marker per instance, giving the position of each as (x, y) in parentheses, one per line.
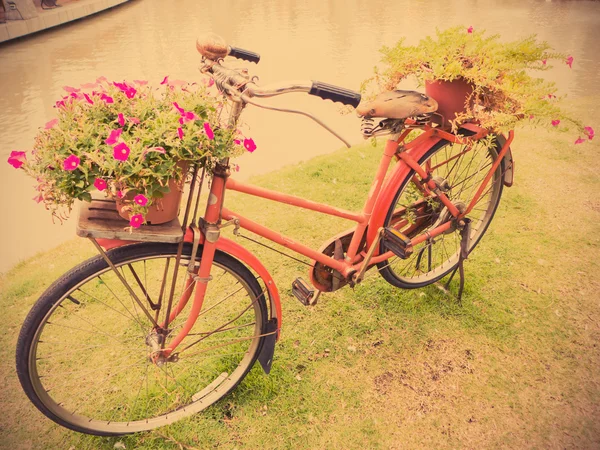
(508, 164)
(391, 185)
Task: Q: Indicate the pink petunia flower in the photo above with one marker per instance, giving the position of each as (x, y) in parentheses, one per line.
(209, 82)
(120, 194)
(100, 184)
(555, 123)
(17, 159)
(208, 130)
(141, 199)
(190, 116)
(136, 221)
(121, 151)
(71, 163)
(89, 85)
(134, 120)
(140, 82)
(589, 132)
(580, 141)
(38, 198)
(50, 124)
(121, 119)
(470, 30)
(179, 108)
(59, 104)
(569, 61)
(107, 99)
(249, 145)
(237, 141)
(180, 133)
(154, 149)
(71, 89)
(544, 61)
(113, 137)
(165, 80)
(88, 99)
(101, 80)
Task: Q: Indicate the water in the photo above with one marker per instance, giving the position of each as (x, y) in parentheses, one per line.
(334, 41)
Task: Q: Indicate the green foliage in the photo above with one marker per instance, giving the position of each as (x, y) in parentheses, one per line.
(504, 91)
(162, 129)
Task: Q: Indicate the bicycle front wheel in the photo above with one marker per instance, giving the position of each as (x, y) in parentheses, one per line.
(459, 169)
(83, 355)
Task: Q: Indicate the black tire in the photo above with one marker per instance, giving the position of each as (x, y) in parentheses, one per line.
(414, 215)
(83, 361)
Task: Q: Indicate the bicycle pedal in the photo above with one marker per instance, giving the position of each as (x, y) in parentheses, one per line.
(397, 243)
(303, 291)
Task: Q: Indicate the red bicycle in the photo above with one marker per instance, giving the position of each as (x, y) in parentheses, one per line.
(154, 330)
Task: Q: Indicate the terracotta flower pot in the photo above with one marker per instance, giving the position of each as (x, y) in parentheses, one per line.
(164, 209)
(452, 97)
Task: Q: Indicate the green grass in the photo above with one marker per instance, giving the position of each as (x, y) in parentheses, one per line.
(376, 367)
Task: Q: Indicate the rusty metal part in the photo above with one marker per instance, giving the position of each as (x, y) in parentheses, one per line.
(330, 279)
(398, 105)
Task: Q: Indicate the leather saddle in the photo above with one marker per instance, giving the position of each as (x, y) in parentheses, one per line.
(397, 105)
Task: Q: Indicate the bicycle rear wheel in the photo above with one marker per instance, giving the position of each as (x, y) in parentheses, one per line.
(460, 168)
(83, 357)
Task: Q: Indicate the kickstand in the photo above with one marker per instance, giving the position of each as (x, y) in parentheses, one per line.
(465, 234)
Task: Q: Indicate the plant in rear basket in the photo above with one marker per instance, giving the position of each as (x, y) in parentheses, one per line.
(127, 140)
(504, 91)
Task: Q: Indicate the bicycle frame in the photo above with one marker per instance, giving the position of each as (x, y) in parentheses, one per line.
(368, 222)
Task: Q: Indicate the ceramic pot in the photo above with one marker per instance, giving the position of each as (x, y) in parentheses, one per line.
(452, 97)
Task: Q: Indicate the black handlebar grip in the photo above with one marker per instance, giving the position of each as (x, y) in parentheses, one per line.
(246, 55)
(335, 93)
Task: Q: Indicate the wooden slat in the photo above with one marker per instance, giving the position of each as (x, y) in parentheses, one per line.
(99, 219)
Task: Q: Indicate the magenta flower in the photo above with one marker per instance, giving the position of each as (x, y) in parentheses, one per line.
(17, 159)
(569, 61)
(140, 82)
(38, 198)
(165, 80)
(136, 221)
(208, 130)
(113, 137)
(59, 104)
(555, 123)
(121, 152)
(180, 133)
(190, 116)
(50, 124)
(100, 184)
(249, 145)
(579, 141)
(70, 89)
(209, 82)
(121, 119)
(237, 141)
(88, 99)
(130, 93)
(107, 99)
(120, 194)
(141, 200)
(470, 30)
(134, 120)
(71, 163)
(589, 132)
(179, 108)
(544, 61)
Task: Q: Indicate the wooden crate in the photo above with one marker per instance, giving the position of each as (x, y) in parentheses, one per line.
(100, 220)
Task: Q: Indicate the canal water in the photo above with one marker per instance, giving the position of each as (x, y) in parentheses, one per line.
(335, 41)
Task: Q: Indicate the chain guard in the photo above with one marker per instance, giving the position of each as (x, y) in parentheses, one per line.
(322, 276)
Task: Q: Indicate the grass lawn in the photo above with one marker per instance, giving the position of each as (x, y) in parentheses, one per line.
(516, 366)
